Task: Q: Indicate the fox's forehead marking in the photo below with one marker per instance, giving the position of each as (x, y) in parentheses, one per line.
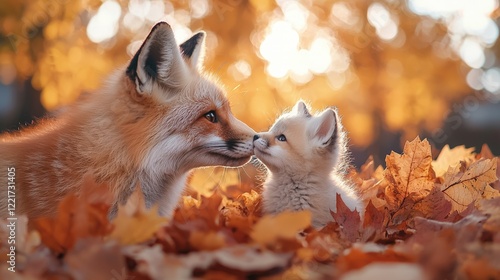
(208, 91)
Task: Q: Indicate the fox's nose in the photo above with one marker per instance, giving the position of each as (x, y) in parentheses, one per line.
(255, 137)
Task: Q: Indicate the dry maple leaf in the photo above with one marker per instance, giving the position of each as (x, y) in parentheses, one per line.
(486, 153)
(463, 186)
(409, 177)
(451, 158)
(373, 223)
(350, 221)
(433, 206)
(284, 225)
(134, 223)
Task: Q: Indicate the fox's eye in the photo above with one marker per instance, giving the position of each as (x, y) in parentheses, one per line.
(211, 117)
(281, 138)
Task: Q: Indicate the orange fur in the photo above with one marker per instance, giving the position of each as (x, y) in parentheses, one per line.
(123, 136)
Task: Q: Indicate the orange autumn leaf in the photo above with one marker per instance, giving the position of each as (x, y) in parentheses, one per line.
(451, 157)
(285, 225)
(134, 223)
(77, 217)
(206, 241)
(433, 206)
(409, 175)
(464, 185)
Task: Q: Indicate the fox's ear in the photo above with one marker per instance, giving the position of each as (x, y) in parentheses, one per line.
(158, 61)
(323, 127)
(193, 50)
(300, 108)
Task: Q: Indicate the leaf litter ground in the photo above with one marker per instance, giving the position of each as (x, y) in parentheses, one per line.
(424, 219)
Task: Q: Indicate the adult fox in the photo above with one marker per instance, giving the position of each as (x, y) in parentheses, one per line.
(152, 123)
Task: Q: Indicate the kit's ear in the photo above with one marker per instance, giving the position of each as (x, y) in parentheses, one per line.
(193, 50)
(158, 62)
(322, 128)
(300, 108)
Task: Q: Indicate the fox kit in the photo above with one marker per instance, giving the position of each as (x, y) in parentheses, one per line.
(158, 118)
(306, 156)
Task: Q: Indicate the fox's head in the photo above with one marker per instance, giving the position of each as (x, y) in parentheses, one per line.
(300, 143)
(173, 114)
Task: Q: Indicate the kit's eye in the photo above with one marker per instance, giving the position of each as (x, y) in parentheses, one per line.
(281, 138)
(211, 117)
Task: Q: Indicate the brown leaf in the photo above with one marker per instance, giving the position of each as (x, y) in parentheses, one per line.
(466, 230)
(349, 221)
(486, 153)
(451, 158)
(373, 223)
(433, 206)
(409, 177)
(464, 186)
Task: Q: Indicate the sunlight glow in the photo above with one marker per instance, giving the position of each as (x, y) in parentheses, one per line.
(295, 47)
(380, 18)
(104, 25)
(491, 80)
(199, 8)
(472, 53)
(342, 15)
(471, 32)
(279, 48)
(474, 79)
(240, 70)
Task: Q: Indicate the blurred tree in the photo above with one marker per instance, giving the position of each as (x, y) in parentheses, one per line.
(386, 66)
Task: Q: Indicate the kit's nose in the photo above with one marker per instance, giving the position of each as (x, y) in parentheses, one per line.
(255, 137)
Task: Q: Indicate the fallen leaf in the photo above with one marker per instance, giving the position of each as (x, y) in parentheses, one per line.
(77, 217)
(463, 186)
(433, 206)
(365, 254)
(285, 225)
(373, 223)
(409, 176)
(206, 241)
(451, 158)
(349, 221)
(136, 225)
(487, 154)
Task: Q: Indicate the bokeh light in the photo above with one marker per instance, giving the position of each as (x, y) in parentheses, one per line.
(104, 25)
(389, 66)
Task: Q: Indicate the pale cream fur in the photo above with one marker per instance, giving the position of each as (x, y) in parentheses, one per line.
(306, 157)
